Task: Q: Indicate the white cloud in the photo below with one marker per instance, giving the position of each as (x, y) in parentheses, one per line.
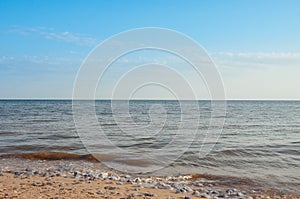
(256, 59)
(37, 63)
(4, 58)
(50, 33)
(260, 55)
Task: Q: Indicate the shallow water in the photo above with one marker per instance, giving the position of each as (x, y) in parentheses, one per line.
(260, 139)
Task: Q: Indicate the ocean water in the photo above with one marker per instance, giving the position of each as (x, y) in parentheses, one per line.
(260, 139)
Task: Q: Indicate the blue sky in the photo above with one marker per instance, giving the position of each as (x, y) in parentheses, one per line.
(255, 44)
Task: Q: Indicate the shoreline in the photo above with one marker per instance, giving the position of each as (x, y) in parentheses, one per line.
(23, 178)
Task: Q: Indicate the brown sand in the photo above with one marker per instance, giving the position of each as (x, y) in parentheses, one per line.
(60, 187)
(35, 178)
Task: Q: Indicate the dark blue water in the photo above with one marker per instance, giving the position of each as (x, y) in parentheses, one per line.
(260, 139)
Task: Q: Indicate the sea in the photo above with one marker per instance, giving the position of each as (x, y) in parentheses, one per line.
(257, 139)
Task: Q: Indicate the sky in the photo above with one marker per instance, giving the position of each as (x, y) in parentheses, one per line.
(255, 44)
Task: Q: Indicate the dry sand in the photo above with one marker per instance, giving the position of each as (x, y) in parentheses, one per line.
(24, 178)
(60, 187)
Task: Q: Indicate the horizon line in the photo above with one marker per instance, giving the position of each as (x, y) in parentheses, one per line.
(142, 99)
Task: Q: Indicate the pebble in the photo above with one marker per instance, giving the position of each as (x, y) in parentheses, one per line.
(188, 189)
(240, 194)
(177, 191)
(147, 180)
(103, 175)
(163, 186)
(179, 184)
(114, 177)
(122, 179)
(28, 169)
(214, 192)
(196, 193)
(149, 194)
(223, 195)
(76, 175)
(137, 180)
(18, 172)
(127, 176)
(204, 195)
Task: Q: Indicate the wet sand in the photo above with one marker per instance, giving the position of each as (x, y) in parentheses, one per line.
(24, 178)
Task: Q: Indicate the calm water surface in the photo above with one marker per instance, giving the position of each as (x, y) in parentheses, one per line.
(260, 139)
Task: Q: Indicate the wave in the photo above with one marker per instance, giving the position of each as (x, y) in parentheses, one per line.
(43, 120)
(8, 133)
(38, 148)
(50, 156)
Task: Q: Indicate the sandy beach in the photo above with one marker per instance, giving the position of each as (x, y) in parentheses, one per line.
(61, 187)
(157, 99)
(24, 178)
